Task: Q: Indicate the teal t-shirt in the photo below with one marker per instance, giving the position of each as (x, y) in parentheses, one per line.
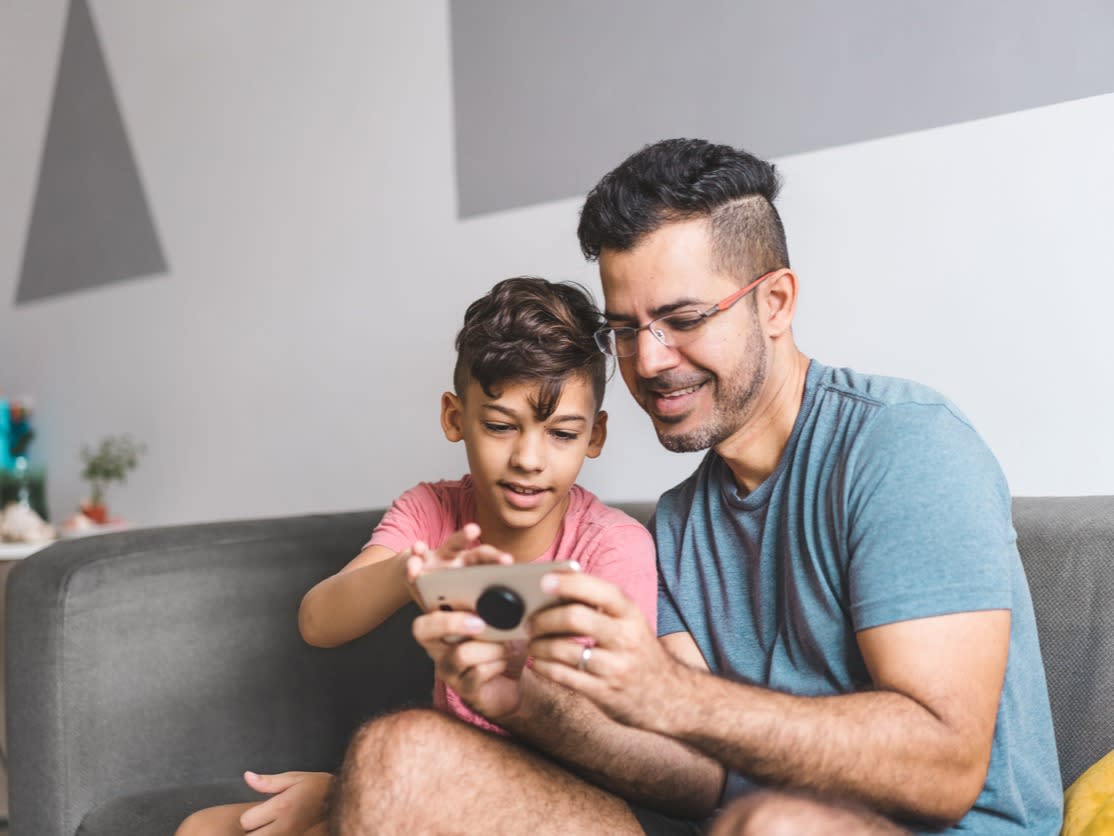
(886, 506)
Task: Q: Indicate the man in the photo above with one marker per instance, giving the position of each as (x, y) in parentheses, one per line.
(840, 587)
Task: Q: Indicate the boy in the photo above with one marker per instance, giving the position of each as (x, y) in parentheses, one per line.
(528, 386)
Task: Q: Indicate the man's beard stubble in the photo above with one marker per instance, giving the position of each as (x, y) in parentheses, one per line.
(732, 405)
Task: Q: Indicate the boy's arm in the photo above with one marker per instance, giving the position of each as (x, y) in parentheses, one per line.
(355, 600)
(378, 582)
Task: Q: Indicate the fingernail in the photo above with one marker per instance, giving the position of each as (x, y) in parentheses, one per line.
(549, 583)
(474, 624)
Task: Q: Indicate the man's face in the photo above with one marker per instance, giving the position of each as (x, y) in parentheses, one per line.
(523, 468)
(701, 394)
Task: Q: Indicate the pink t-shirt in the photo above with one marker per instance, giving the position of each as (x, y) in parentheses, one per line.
(605, 542)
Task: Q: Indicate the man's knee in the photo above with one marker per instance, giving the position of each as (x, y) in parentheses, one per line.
(395, 744)
(391, 765)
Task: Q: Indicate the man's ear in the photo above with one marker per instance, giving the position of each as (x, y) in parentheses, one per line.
(598, 435)
(452, 417)
(779, 303)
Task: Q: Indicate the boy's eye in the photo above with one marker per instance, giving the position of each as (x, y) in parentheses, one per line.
(565, 435)
(494, 427)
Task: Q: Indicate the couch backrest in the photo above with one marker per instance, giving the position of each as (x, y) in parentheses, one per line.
(1067, 547)
(171, 656)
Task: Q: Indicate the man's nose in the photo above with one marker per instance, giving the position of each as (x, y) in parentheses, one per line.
(653, 357)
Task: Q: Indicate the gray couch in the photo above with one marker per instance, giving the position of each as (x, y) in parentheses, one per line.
(147, 669)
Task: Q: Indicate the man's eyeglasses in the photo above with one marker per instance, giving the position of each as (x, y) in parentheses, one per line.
(672, 330)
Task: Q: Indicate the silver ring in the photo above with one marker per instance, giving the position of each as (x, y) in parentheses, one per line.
(585, 657)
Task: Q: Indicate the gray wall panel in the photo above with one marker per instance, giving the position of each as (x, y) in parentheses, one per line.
(547, 96)
(91, 224)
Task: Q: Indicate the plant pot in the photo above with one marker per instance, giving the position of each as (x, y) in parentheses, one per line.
(97, 513)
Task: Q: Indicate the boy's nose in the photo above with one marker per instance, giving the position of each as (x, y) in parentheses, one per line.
(529, 453)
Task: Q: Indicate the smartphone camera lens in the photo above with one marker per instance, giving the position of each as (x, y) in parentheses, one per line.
(500, 607)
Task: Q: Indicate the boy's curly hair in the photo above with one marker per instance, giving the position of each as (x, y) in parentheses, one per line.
(528, 329)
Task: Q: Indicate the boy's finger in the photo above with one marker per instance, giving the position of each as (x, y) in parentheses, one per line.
(256, 817)
(271, 783)
(414, 567)
(460, 540)
(484, 554)
(437, 626)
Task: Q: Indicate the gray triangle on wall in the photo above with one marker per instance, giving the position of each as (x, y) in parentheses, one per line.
(91, 224)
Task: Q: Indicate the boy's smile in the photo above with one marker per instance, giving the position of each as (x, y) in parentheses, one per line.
(523, 467)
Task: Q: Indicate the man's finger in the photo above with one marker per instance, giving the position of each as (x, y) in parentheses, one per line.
(595, 592)
(573, 619)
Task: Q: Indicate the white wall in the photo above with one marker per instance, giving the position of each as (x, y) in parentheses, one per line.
(298, 159)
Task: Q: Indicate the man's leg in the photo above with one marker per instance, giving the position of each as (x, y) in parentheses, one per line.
(424, 772)
(772, 813)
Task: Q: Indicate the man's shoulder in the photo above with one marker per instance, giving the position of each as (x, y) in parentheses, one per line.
(882, 390)
(679, 499)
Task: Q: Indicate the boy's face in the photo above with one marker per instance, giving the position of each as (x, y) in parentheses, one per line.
(523, 468)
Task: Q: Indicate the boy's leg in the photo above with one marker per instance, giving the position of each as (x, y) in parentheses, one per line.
(424, 772)
(773, 813)
(215, 821)
(225, 821)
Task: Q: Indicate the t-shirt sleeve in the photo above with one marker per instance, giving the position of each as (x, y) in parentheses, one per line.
(929, 526)
(416, 515)
(625, 557)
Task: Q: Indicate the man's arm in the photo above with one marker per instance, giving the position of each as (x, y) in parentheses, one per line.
(638, 765)
(641, 766)
(916, 747)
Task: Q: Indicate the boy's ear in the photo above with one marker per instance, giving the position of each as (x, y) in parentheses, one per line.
(452, 417)
(598, 435)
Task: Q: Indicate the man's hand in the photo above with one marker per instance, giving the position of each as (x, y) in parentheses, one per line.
(624, 669)
(484, 674)
(297, 803)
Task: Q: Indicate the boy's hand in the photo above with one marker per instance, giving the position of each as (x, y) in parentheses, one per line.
(460, 549)
(484, 674)
(297, 803)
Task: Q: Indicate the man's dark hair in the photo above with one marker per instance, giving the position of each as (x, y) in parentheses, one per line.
(680, 179)
(528, 329)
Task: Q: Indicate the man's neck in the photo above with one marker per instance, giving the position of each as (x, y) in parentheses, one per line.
(753, 452)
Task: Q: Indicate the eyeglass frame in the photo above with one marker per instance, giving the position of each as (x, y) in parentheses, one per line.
(603, 343)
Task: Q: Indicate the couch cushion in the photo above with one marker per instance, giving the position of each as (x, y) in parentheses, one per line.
(160, 812)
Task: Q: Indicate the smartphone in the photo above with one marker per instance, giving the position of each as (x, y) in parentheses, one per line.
(503, 595)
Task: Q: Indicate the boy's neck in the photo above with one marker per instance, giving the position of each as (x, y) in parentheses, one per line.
(524, 544)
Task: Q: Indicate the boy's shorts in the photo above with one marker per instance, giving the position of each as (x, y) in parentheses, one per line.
(659, 824)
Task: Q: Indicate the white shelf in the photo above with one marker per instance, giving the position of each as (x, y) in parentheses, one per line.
(18, 551)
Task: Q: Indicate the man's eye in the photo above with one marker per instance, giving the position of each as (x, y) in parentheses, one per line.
(683, 322)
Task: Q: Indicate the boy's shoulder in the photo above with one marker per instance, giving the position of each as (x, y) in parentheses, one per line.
(587, 511)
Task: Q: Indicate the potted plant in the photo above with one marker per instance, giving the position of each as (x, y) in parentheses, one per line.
(110, 461)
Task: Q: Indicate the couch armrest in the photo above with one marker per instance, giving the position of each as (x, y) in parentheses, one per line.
(171, 656)
(1067, 547)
